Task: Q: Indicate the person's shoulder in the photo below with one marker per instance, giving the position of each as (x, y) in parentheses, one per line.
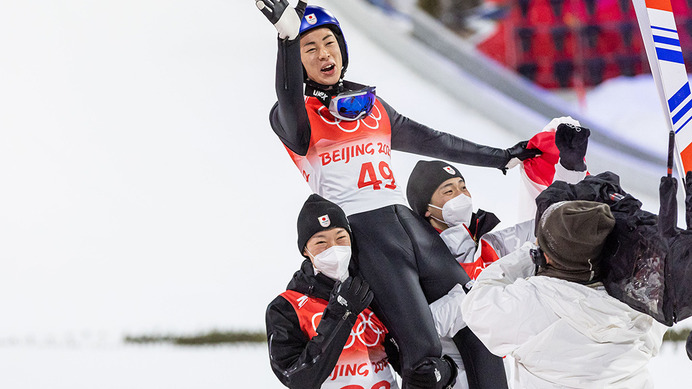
(282, 305)
(292, 292)
(291, 295)
(273, 111)
(384, 102)
(279, 300)
(556, 286)
(553, 288)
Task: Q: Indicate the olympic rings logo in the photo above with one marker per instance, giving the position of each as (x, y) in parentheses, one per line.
(372, 121)
(366, 330)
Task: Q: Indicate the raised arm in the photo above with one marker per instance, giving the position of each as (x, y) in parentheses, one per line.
(288, 117)
(502, 295)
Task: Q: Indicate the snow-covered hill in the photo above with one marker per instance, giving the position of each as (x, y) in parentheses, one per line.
(142, 188)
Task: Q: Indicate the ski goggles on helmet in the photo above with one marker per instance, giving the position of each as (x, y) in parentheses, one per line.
(353, 105)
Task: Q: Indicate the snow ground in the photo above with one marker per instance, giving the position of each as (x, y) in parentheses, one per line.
(141, 367)
(143, 190)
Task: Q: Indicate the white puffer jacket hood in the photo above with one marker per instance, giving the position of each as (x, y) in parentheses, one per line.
(561, 334)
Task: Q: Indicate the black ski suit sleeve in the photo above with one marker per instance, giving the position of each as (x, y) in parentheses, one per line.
(413, 137)
(300, 362)
(288, 117)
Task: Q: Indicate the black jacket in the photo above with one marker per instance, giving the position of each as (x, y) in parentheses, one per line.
(300, 362)
(646, 261)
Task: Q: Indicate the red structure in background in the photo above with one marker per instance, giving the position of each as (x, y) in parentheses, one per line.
(575, 43)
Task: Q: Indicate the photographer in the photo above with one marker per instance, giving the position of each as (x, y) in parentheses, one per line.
(559, 323)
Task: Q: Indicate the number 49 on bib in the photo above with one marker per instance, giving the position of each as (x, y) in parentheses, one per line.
(368, 176)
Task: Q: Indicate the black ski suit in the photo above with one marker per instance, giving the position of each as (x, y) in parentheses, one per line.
(400, 255)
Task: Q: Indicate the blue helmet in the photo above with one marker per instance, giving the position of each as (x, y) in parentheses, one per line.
(316, 17)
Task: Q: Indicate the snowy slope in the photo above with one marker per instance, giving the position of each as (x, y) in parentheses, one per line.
(142, 186)
(143, 189)
(170, 367)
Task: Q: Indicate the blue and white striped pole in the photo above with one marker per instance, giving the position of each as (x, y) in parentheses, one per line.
(662, 43)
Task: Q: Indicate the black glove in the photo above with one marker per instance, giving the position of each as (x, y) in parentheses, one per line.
(392, 350)
(689, 346)
(518, 153)
(572, 141)
(350, 297)
(434, 373)
(286, 19)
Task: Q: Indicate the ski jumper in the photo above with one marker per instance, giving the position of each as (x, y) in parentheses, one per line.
(401, 256)
(339, 353)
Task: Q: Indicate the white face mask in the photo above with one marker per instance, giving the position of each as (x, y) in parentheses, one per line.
(456, 211)
(333, 262)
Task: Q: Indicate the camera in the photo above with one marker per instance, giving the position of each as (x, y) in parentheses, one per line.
(537, 257)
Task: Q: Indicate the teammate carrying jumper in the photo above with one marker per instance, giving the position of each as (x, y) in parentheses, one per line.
(437, 191)
(320, 331)
(339, 134)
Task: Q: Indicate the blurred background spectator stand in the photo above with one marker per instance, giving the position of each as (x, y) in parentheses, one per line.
(562, 43)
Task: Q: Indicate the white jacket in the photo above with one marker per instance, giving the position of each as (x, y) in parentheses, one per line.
(491, 245)
(497, 244)
(561, 334)
(474, 258)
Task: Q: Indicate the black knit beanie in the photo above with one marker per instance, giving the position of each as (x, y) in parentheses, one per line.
(424, 180)
(572, 234)
(319, 214)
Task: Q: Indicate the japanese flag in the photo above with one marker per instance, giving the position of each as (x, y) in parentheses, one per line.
(324, 220)
(311, 19)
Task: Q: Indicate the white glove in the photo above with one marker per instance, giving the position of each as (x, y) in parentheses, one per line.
(552, 126)
(286, 19)
(446, 312)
